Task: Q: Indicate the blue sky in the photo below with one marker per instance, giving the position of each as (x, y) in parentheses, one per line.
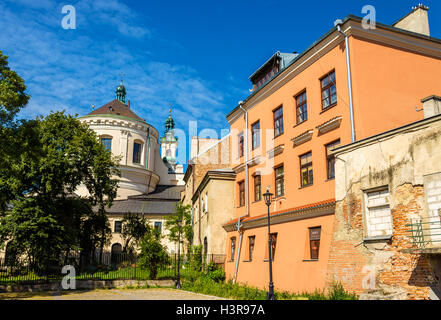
(195, 55)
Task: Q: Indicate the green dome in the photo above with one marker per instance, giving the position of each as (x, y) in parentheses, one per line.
(169, 123)
(121, 92)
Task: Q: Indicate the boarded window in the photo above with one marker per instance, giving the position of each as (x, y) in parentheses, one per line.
(378, 214)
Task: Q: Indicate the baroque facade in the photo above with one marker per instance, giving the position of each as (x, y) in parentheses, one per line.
(151, 180)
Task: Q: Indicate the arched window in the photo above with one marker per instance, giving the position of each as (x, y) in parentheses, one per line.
(107, 142)
(116, 253)
(137, 147)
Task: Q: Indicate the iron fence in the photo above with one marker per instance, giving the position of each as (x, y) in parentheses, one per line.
(111, 266)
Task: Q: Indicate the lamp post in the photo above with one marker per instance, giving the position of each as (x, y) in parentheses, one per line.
(270, 295)
(178, 278)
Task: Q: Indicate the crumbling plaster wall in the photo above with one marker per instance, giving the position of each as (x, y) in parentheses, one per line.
(399, 162)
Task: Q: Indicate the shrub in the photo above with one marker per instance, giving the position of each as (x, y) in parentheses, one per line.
(153, 255)
(215, 272)
(196, 258)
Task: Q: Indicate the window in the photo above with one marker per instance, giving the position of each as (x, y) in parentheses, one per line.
(240, 139)
(378, 214)
(257, 188)
(241, 193)
(329, 90)
(330, 159)
(136, 152)
(255, 129)
(232, 248)
(107, 142)
(301, 107)
(158, 226)
(273, 244)
(117, 227)
(280, 183)
(314, 242)
(251, 247)
(278, 121)
(306, 175)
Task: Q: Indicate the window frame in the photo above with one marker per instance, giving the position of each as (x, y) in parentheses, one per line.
(138, 154)
(241, 144)
(367, 210)
(251, 246)
(328, 89)
(300, 105)
(232, 248)
(160, 226)
(273, 237)
(276, 119)
(253, 136)
(241, 186)
(306, 165)
(257, 182)
(314, 255)
(277, 178)
(336, 143)
(120, 226)
(109, 148)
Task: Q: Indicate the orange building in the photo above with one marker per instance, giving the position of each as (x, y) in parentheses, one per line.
(350, 84)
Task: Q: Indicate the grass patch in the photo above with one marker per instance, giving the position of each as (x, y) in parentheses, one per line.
(236, 291)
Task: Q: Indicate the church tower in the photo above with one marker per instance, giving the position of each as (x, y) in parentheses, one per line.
(169, 144)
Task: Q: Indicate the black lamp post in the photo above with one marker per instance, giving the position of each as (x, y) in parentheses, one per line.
(178, 278)
(270, 295)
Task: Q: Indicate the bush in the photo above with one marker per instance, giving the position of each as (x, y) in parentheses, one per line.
(153, 255)
(196, 258)
(215, 272)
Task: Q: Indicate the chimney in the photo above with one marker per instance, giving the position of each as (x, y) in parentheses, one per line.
(431, 106)
(416, 21)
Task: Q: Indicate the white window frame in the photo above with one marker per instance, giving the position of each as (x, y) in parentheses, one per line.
(383, 201)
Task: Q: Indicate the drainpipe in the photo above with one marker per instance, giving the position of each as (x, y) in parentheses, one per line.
(238, 226)
(338, 24)
(246, 155)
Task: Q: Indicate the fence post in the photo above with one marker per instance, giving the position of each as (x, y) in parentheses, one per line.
(136, 260)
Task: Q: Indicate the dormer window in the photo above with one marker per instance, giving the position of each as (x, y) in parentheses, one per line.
(266, 77)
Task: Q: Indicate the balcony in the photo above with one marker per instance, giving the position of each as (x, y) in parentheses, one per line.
(425, 234)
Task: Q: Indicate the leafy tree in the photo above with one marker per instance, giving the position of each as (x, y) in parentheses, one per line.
(12, 92)
(54, 156)
(153, 254)
(134, 228)
(172, 224)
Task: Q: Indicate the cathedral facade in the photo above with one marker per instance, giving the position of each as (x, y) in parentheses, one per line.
(151, 180)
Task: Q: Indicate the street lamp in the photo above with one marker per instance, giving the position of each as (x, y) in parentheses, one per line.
(178, 279)
(270, 295)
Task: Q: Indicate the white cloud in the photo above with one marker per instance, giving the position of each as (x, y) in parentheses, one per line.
(73, 69)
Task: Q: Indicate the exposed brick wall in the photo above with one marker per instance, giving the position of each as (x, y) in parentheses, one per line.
(350, 258)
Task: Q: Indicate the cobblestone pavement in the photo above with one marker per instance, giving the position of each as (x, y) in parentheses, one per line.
(110, 294)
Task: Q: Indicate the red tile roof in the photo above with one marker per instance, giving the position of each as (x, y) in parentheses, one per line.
(118, 108)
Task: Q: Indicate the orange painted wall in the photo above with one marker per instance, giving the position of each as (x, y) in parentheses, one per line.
(387, 84)
(290, 271)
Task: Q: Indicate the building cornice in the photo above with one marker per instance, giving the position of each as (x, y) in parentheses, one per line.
(384, 34)
(319, 209)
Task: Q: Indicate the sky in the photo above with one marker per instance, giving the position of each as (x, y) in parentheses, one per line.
(193, 55)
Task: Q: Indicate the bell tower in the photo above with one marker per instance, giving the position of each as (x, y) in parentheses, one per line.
(169, 143)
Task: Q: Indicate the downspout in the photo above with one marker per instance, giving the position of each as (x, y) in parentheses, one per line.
(238, 226)
(338, 24)
(246, 156)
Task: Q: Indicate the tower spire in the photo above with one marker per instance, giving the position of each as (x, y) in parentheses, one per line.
(121, 92)
(169, 123)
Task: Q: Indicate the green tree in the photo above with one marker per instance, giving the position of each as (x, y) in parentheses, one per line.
(180, 222)
(134, 228)
(54, 156)
(153, 254)
(12, 92)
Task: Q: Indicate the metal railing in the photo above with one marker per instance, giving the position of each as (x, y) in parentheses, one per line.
(112, 267)
(425, 232)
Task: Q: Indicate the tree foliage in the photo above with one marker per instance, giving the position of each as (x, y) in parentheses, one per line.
(134, 228)
(153, 254)
(172, 224)
(42, 163)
